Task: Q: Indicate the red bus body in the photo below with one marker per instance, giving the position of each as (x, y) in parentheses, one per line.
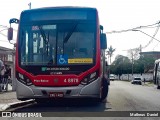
(70, 37)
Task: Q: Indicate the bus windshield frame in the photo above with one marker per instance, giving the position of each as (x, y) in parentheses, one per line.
(52, 41)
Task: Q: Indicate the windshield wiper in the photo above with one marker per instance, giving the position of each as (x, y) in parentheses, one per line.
(43, 34)
(70, 33)
(44, 37)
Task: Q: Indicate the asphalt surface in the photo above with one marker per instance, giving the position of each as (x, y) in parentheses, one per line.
(123, 96)
(8, 99)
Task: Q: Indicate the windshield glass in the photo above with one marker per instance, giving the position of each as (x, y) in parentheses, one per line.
(58, 44)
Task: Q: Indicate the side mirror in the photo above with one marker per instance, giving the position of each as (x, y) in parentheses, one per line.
(101, 27)
(103, 40)
(14, 20)
(10, 33)
(10, 30)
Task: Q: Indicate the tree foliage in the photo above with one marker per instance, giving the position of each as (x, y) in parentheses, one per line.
(120, 65)
(110, 52)
(123, 65)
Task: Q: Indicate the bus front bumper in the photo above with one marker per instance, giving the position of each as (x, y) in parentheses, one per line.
(32, 92)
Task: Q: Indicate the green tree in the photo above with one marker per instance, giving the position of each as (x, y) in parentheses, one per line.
(121, 65)
(146, 62)
(110, 52)
(133, 55)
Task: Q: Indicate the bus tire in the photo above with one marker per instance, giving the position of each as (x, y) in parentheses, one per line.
(104, 89)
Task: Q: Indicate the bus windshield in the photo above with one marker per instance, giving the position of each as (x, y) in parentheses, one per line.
(71, 43)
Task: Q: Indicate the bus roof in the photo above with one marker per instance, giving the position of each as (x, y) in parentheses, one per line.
(61, 8)
(59, 13)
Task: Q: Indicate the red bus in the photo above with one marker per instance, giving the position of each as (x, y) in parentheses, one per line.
(60, 53)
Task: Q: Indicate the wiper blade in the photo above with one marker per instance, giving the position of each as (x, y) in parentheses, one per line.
(70, 33)
(44, 37)
(43, 34)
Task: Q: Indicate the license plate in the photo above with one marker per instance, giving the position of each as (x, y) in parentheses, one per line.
(56, 94)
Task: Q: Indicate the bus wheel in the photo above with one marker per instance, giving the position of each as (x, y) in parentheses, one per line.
(104, 89)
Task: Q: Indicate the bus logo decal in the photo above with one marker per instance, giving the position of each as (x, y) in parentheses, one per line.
(55, 80)
(44, 68)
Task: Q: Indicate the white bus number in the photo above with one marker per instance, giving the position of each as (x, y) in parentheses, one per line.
(71, 80)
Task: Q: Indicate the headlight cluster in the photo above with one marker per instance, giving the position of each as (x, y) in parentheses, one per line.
(90, 78)
(23, 79)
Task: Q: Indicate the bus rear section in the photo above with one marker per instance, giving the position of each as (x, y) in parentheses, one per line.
(156, 73)
(60, 53)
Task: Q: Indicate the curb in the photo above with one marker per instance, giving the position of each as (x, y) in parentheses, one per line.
(6, 107)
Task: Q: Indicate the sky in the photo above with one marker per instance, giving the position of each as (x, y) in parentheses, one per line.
(114, 15)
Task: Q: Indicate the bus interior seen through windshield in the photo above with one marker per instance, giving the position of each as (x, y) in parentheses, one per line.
(42, 44)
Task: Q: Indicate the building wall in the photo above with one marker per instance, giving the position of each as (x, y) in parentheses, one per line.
(147, 76)
(155, 54)
(7, 56)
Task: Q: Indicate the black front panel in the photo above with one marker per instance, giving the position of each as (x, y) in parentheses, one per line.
(56, 70)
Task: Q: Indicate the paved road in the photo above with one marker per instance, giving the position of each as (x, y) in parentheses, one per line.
(123, 96)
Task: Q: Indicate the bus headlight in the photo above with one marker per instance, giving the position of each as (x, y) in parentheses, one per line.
(90, 78)
(24, 79)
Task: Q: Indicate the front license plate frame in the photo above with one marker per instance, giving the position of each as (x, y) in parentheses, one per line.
(56, 94)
